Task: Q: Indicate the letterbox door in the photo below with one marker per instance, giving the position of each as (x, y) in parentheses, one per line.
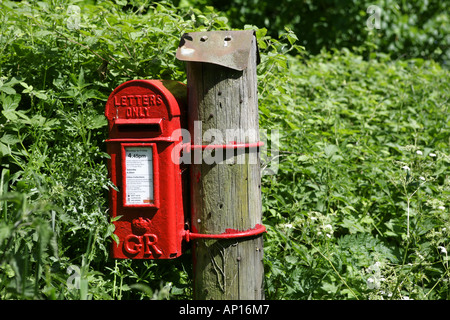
(140, 173)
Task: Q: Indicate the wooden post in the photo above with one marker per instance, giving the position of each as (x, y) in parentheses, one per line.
(225, 185)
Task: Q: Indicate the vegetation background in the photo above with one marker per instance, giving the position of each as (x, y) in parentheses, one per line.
(359, 206)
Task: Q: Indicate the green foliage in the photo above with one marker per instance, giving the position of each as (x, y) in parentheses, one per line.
(363, 180)
(408, 29)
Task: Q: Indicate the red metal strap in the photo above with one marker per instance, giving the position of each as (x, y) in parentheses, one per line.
(234, 145)
(228, 234)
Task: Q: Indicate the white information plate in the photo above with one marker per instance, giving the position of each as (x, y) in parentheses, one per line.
(139, 175)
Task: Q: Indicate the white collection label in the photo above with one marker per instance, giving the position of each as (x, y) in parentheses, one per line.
(139, 175)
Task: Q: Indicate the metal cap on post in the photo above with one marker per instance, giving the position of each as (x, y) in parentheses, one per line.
(230, 49)
(225, 172)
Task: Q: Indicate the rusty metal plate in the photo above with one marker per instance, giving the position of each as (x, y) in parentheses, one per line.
(226, 48)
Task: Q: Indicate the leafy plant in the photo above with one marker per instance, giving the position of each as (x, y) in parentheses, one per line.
(407, 29)
(364, 167)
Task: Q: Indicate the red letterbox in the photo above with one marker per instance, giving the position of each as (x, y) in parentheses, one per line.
(142, 118)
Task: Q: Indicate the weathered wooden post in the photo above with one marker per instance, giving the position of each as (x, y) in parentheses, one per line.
(225, 168)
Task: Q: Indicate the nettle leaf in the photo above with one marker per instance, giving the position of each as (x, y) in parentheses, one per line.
(291, 259)
(4, 150)
(330, 287)
(7, 90)
(10, 102)
(10, 115)
(97, 122)
(40, 94)
(9, 139)
(7, 87)
(93, 94)
(330, 150)
(43, 123)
